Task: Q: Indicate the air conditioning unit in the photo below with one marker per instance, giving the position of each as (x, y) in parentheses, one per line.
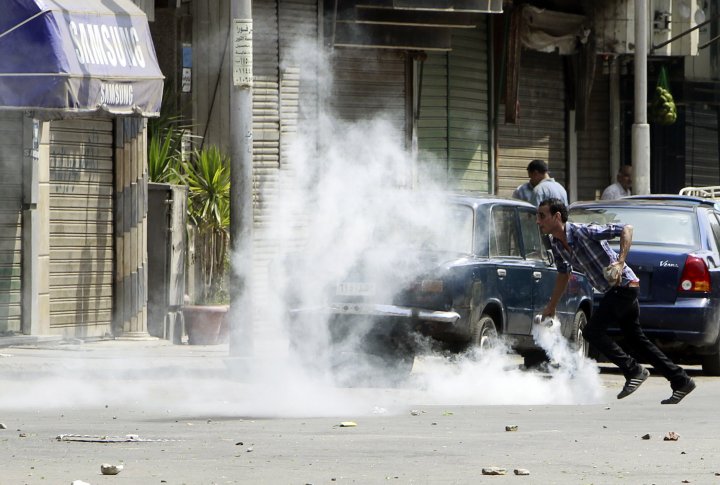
(615, 26)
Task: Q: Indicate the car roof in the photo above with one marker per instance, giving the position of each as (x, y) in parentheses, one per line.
(478, 200)
(654, 200)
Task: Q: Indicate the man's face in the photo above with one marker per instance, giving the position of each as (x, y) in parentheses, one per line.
(535, 177)
(547, 222)
(624, 178)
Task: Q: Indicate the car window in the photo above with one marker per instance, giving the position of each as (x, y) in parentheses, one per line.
(650, 226)
(532, 242)
(715, 226)
(461, 227)
(504, 240)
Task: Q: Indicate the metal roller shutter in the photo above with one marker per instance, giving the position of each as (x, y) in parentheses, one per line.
(702, 166)
(11, 161)
(593, 144)
(266, 111)
(453, 133)
(468, 134)
(432, 123)
(368, 83)
(540, 130)
(81, 226)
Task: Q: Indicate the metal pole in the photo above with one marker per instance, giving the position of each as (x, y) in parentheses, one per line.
(241, 208)
(640, 128)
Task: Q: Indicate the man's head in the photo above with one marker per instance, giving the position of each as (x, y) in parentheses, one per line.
(551, 216)
(624, 176)
(537, 170)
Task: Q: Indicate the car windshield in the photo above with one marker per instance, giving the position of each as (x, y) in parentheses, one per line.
(452, 230)
(650, 226)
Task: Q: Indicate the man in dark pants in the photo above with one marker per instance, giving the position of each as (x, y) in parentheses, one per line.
(584, 247)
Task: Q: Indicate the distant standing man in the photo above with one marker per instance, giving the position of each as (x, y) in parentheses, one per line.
(584, 247)
(622, 187)
(540, 186)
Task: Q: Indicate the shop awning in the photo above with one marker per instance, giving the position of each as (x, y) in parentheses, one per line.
(78, 56)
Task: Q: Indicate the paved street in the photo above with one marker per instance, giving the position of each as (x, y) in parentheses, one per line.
(191, 421)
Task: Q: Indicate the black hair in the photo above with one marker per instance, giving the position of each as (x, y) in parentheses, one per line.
(537, 166)
(555, 206)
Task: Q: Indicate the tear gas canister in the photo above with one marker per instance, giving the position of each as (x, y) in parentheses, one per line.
(543, 321)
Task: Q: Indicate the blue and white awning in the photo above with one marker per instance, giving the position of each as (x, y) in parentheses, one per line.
(78, 56)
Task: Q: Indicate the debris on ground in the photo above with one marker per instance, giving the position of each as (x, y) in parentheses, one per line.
(671, 436)
(521, 471)
(511, 427)
(348, 424)
(79, 482)
(646, 436)
(2, 426)
(494, 470)
(107, 439)
(415, 412)
(108, 469)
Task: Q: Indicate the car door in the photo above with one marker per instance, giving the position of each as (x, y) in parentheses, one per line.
(543, 274)
(514, 273)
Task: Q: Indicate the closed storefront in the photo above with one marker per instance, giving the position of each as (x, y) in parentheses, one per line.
(11, 163)
(702, 164)
(541, 124)
(453, 121)
(75, 72)
(369, 83)
(81, 225)
(593, 143)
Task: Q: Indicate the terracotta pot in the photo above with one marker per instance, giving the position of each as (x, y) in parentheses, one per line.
(206, 324)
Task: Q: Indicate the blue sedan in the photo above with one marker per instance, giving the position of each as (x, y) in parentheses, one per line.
(675, 253)
(485, 277)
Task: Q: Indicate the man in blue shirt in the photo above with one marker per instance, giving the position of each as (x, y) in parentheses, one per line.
(540, 186)
(584, 247)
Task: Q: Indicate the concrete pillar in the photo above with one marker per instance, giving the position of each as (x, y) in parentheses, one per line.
(131, 179)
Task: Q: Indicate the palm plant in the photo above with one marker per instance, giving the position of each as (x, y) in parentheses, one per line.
(207, 175)
(164, 153)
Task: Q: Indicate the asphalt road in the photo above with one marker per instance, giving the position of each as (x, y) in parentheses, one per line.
(191, 421)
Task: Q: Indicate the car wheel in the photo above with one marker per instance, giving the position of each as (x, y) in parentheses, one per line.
(484, 333)
(577, 341)
(711, 362)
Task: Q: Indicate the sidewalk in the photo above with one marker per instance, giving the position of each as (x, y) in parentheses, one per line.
(34, 355)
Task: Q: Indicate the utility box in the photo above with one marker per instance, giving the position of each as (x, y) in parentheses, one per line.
(167, 247)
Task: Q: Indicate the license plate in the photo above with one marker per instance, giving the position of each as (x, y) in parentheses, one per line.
(353, 288)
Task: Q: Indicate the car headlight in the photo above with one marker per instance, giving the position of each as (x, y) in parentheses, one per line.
(431, 286)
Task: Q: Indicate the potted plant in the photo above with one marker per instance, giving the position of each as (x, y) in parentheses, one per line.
(207, 175)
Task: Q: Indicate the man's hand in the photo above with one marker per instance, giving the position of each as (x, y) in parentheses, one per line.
(613, 272)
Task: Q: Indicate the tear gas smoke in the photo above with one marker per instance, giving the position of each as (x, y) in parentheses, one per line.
(353, 196)
(350, 194)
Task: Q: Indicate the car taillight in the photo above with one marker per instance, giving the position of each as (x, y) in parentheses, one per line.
(695, 275)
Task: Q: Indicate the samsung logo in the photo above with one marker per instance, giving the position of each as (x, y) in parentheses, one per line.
(107, 45)
(116, 94)
(667, 264)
